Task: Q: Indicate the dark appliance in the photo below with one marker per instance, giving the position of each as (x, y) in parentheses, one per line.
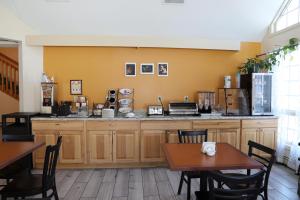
(259, 88)
(62, 109)
(18, 126)
(183, 108)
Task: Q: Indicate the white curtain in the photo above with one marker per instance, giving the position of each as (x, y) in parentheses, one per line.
(286, 105)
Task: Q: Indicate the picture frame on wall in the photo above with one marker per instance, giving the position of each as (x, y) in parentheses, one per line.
(76, 87)
(147, 68)
(130, 69)
(162, 69)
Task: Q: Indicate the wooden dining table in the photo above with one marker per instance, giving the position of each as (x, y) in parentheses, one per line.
(13, 151)
(188, 157)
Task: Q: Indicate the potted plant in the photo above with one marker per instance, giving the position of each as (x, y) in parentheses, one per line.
(269, 60)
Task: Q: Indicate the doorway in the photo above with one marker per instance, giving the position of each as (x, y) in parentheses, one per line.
(9, 76)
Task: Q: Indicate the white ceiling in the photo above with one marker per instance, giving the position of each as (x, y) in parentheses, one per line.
(244, 20)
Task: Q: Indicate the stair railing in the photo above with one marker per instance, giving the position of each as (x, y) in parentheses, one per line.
(9, 76)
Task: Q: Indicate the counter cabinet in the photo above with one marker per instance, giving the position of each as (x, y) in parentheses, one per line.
(138, 143)
(73, 136)
(113, 142)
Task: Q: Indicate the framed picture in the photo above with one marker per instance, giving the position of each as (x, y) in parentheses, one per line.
(130, 69)
(76, 87)
(147, 68)
(162, 69)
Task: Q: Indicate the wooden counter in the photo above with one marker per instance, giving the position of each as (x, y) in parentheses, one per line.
(90, 143)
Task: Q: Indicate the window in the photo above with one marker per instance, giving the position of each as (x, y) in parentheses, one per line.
(287, 107)
(288, 95)
(289, 16)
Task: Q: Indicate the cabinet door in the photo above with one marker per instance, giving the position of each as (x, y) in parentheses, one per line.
(151, 145)
(248, 134)
(212, 135)
(126, 146)
(172, 136)
(49, 137)
(230, 136)
(100, 146)
(267, 138)
(72, 147)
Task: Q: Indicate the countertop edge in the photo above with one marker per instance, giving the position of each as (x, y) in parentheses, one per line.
(166, 118)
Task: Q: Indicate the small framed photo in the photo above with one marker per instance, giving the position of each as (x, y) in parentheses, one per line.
(76, 87)
(147, 68)
(163, 69)
(130, 69)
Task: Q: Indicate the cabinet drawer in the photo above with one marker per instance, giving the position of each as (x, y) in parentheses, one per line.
(113, 125)
(263, 123)
(166, 125)
(58, 125)
(210, 124)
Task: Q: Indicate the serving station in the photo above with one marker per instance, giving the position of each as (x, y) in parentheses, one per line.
(137, 142)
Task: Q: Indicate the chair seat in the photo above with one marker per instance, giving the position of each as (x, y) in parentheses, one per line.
(240, 186)
(26, 185)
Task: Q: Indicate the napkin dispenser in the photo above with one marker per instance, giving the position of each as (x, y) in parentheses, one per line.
(209, 148)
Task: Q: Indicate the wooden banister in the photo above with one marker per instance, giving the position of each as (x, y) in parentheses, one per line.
(4, 57)
(9, 79)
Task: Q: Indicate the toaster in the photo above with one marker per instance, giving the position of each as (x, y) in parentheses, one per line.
(155, 110)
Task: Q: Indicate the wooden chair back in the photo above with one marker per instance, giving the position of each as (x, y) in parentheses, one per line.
(195, 136)
(51, 157)
(267, 161)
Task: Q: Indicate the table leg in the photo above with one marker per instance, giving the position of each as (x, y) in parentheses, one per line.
(203, 182)
(203, 194)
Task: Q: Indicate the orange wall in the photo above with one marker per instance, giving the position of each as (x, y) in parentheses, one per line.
(102, 68)
(10, 52)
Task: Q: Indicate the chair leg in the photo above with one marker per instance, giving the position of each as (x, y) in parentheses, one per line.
(55, 192)
(266, 193)
(188, 188)
(44, 194)
(180, 183)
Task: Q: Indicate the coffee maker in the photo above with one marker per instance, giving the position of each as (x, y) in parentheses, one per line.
(47, 97)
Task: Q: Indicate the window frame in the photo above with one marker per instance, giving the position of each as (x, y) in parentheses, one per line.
(272, 28)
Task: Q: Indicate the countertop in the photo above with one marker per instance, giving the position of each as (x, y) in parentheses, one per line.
(140, 115)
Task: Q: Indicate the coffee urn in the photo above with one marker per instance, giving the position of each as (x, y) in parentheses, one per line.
(47, 97)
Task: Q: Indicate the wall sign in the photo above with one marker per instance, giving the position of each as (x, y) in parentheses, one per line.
(76, 87)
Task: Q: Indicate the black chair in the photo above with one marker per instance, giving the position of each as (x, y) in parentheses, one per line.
(198, 136)
(249, 191)
(33, 184)
(298, 171)
(20, 166)
(267, 161)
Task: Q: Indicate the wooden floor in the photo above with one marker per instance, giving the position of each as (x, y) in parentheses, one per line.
(150, 184)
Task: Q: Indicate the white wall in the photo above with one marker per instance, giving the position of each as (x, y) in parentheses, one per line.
(30, 59)
(274, 41)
